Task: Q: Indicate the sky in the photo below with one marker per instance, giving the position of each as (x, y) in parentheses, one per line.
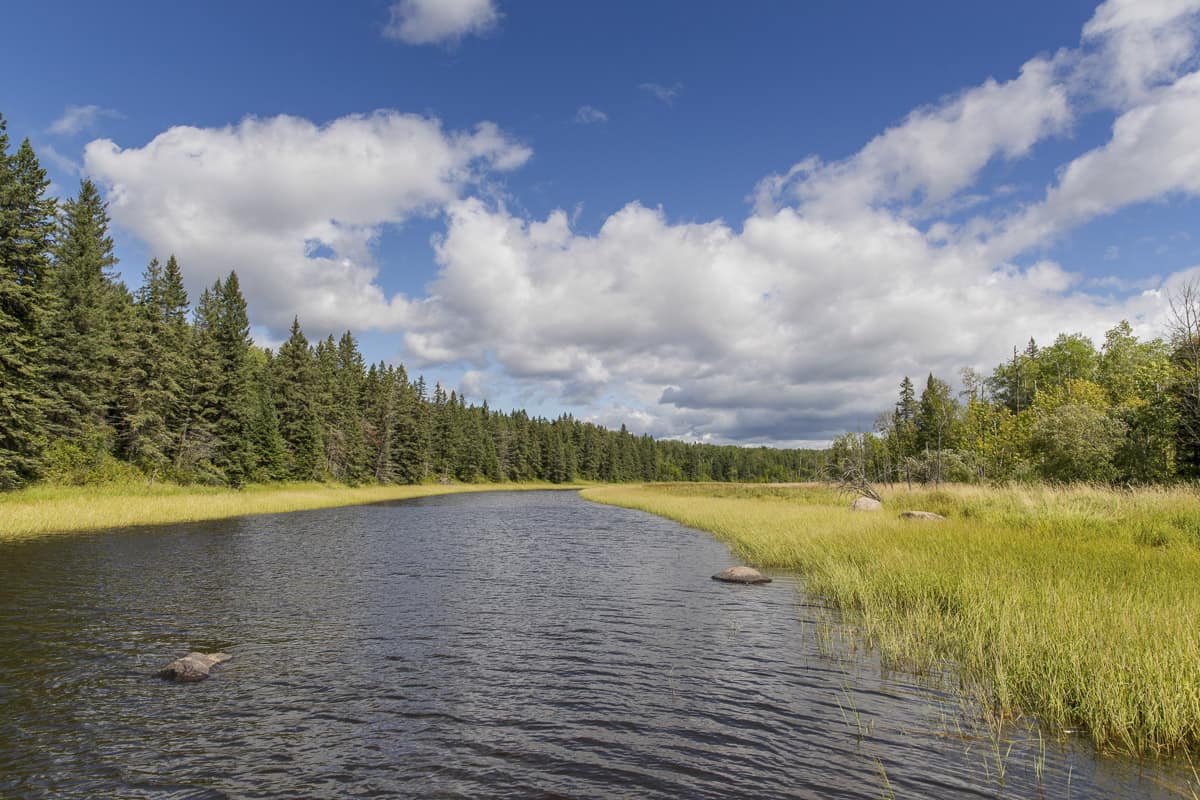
(714, 221)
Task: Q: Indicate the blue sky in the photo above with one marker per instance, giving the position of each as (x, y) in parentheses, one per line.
(567, 206)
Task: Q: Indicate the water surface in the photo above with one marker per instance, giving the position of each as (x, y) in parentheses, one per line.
(503, 645)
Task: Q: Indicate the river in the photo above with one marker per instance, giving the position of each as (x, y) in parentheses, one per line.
(508, 644)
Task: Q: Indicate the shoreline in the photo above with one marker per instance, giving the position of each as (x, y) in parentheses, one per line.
(56, 510)
(1072, 606)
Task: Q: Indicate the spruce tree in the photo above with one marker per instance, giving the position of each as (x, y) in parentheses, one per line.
(270, 451)
(348, 408)
(196, 441)
(296, 402)
(324, 389)
(235, 392)
(153, 392)
(377, 421)
(86, 336)
(26, 228)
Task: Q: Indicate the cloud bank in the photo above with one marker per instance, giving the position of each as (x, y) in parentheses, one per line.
(789, 327)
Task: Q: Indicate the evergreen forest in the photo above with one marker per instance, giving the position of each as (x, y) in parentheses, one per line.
(99, 384)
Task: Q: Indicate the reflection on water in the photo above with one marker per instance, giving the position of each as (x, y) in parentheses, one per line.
(504, 645)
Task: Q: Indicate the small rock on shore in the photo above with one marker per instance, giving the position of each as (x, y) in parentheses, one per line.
(741, 575)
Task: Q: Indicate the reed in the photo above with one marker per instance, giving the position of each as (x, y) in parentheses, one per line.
(47, 510)
(1077, 606)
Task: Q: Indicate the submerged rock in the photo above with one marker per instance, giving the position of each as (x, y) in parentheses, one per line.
(866, 504)
(741, 575)
(192, 667)
(929, 515)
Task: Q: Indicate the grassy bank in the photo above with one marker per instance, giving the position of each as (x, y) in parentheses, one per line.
(1078, 606)
(48, 510)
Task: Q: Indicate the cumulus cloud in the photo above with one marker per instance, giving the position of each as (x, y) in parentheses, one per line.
(439, 21)
(1142, 43)
(790, 326)
(797, 326)
(1152, 153)
(588, 115)
(76, 119)
(295, 206)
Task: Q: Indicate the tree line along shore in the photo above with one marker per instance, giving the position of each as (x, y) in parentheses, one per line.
(102, 385)
(1125, 413)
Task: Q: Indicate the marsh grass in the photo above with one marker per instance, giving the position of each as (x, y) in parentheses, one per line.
(1077, 606)
(46, 510)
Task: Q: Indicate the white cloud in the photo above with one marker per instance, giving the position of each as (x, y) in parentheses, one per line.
(936, 151)
(792, 326)
(793, 329)
(294, 206)
(1112, 253)
(439, 21)
(76, 119)
(799, 325)
(664, 94)
(588, 115)
(1142, 42)
(1152, 153)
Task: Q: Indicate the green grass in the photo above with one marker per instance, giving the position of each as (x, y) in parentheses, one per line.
(47, 510)
(1078, 606)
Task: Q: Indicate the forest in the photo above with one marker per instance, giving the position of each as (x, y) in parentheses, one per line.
(1126, 413)
(100, 384)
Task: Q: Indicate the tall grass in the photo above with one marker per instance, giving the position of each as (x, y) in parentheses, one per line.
(45, 510)
(1079, 606)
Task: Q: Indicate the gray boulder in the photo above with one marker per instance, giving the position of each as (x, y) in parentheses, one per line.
(927, 515)
(741, 575)
(866, 504)
(192, 667)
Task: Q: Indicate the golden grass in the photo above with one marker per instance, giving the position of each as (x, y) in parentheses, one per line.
(46, 510)
(1078, 606)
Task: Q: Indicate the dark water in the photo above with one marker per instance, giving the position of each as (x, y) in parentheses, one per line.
(497, 645)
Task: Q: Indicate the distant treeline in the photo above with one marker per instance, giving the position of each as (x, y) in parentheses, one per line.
(98, 383)
(1128, 412)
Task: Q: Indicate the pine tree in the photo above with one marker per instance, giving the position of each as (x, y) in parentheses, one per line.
(411, 440)
(378, 398)
(196, 441)
(235, 392)
(86, 337)
(154, 390)
(333, 445)
(295, 397)
(270, 451)
(26, 227)
(349, 410)
(936, 420)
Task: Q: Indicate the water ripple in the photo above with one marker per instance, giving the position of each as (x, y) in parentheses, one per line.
(499, 645)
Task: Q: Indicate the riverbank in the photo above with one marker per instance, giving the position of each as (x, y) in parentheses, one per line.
(1076, 606)
(47, 510)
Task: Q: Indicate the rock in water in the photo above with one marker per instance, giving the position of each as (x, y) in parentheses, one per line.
(741, 575)
(192, 667)
(921, 515)
(866, 504)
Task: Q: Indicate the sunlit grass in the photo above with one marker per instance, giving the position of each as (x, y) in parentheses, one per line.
(1079, 606)
(45, 510)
